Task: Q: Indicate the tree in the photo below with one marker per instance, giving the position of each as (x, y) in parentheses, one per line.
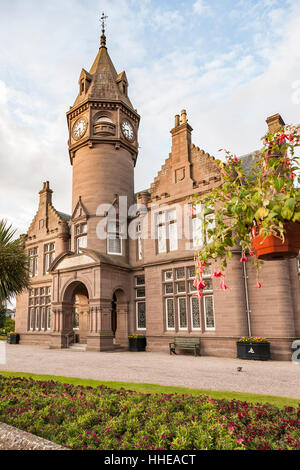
(2, 316)
(14, 263)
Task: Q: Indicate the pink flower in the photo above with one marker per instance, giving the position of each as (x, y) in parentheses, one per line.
(258, 284)
(199, 295)
(251, 253)
(293, 175)
(201, 285)
(236, 159)
(223, 285)
(243, 258)
(217, 274)
(282, 138)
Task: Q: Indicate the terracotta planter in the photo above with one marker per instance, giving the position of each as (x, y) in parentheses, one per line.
(272, 248)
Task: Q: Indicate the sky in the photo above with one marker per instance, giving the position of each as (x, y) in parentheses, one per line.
(229, 63)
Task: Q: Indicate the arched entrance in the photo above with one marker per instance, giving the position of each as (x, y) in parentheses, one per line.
(119, 318)
(76, 303)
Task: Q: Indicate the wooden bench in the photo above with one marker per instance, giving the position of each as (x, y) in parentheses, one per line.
(185, 343)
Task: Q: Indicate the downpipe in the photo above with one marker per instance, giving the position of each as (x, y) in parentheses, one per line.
(247, 298)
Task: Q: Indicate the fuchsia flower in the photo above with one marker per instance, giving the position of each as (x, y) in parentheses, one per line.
(293, 175)
(243, 258)
(258, 284)
(236, 159)
(217, 274)
(199, 284)
(251, 253)
(223, 285)
(199, 295)
(282, 138)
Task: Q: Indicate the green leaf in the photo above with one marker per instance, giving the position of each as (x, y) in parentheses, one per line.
(261, 213)
(288, 209)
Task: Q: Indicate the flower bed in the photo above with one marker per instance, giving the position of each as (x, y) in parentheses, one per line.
(101, 418)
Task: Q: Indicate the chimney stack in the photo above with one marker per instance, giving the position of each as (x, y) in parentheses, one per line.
(46, 194)
(275, 123)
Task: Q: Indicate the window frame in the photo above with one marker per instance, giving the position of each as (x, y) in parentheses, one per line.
(162, 224)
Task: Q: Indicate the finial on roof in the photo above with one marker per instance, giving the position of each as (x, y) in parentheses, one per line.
(103, 37)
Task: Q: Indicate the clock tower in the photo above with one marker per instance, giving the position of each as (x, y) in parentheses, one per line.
(103, 145)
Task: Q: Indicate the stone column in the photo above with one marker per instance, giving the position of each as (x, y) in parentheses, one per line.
(100, 337)
(122, 323)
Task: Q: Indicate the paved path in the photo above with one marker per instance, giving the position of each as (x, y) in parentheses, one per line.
(270, 378)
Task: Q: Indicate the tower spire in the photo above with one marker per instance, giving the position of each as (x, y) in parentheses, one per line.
(103, 37)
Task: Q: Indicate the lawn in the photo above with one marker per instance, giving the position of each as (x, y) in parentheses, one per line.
(280, 402)
(99, 417)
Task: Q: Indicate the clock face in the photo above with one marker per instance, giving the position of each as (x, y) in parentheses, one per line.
(127, 130)
(79, 128)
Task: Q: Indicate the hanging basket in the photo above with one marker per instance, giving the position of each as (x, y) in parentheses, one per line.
(272, 248)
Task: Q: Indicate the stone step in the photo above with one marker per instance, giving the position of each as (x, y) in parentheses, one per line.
(78, 347)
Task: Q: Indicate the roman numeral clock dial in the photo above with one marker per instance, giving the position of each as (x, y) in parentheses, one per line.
(127, 131)
(79, 128)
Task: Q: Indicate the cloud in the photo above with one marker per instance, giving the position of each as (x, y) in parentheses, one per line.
(200, 7)
(230, 75)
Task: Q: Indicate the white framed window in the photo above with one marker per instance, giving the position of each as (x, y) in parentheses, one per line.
(167, 233)
(48, 318)
(49, 256)
(197, 228)
(182, 313)
(33, 262)
(161, 239)
(37, 319)
(173, 236)
(141, 315)
(114, 241)
(180, 287)
(31, 318)
(139, 242)
(140, 280)
(169, 289)
(114, 245)
(43, 326)
(209, 312)
(168, 275)
(170, 314)
(80, 237)
(140, 292)
(180, 273)
(195, 313)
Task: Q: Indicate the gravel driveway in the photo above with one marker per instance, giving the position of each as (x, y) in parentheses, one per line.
(270, 378)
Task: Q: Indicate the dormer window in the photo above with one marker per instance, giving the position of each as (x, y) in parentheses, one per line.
(80, 237)
(82, 86)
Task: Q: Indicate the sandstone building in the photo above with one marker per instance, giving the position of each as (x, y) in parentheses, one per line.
(104, 288)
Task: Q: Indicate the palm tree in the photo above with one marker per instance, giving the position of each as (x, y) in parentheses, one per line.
(14, 263)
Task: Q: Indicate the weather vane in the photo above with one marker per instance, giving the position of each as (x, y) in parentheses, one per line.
(103, 20)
